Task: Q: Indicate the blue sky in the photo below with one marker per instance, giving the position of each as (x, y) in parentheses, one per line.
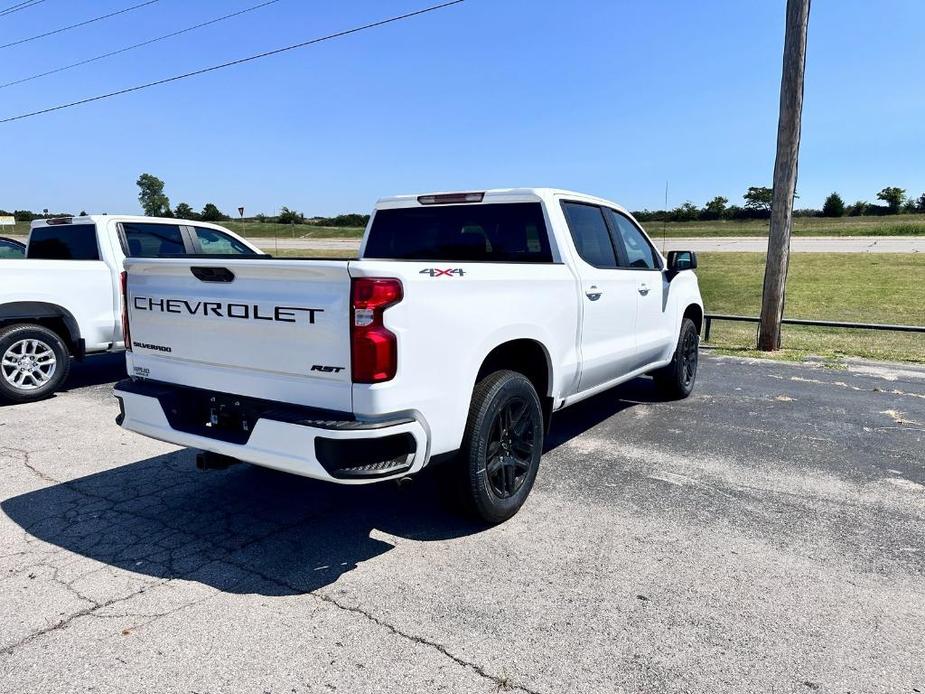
(603, 96)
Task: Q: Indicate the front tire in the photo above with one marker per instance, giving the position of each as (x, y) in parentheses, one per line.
(676, 381)
(502, 446)
(34, 363)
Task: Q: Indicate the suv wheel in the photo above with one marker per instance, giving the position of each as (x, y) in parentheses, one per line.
(677, 379)
(503, 445)
(34, 362)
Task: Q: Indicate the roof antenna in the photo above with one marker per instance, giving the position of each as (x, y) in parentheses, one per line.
(665, 220)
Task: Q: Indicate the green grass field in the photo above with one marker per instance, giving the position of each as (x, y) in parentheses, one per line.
(869, 288)
(896, 225)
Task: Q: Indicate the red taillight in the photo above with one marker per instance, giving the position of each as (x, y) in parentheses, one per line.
(126, 335)
(373, 348)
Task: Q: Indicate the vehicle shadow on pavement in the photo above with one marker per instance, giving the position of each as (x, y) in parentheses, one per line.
(241, 530)
(577, 419)
(95, 370)
(252, 530)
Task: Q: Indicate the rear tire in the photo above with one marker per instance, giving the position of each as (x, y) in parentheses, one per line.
(502, 447)
(676, 381)
(34, 362)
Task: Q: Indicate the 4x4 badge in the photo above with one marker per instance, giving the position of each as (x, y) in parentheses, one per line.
(442, 272)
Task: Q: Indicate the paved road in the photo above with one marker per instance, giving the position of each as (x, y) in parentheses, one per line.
(767, 534)
(799, 244)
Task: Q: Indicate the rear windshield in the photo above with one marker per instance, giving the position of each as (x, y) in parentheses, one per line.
(63, 242)
(509, 232)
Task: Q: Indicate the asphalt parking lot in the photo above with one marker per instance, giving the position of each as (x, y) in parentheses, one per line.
(764, 535)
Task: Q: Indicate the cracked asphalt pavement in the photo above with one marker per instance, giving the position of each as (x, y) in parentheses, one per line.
(765, 534)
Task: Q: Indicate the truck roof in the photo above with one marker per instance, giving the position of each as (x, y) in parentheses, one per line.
(96, 218)
(496, 195)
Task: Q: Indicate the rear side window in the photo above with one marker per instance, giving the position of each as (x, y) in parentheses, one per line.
(218, 243)
(145, 240)
(590, 234)
(503, 232)
(63, 242)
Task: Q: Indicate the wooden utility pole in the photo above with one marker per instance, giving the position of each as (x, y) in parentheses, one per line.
(785, 174)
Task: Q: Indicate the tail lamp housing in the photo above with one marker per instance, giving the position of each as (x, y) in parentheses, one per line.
(126, 334)
(373, 347)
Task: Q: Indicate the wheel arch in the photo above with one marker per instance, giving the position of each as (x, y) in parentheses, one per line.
(695, 313)
(526, 356)
(54, 317)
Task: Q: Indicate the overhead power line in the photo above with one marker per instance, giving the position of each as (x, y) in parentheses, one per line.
(136, 45)
(79, 24)
(20, 6)
(239, 61)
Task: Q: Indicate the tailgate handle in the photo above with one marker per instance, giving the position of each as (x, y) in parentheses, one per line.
(212, 274)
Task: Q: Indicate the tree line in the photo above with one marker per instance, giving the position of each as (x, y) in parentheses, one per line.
(757, 205)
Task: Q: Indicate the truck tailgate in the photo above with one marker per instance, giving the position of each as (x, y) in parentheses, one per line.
(272, 329)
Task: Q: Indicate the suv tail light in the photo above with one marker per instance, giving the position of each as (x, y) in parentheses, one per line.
(126, 335)
(373, 348)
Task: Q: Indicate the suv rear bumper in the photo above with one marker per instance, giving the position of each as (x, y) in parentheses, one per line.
(325, 445)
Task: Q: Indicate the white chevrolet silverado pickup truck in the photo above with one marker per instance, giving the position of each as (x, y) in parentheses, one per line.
(466, 322)
(63, 299)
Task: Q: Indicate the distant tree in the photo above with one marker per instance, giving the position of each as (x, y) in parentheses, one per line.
(686, 212)
(920, 203)
(211, 213)
(151, 196)
(759, 198)
(83, 213)
(833, 206)
(858, 208)
(184, 211)
(287, 216)
(25, 215)
(715, 208)
(260, 218)
(893, 197)
(909, 206)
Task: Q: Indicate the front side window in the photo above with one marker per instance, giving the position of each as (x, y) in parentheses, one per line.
(63, 242)
(499, 232)
(217, 243)
(146, 240)
(637, 250)
(590, 234)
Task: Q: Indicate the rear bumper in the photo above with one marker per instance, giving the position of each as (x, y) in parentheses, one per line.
(320, 444)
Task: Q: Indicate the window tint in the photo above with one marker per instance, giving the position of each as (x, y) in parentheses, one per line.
(218, 243)
(512, 232)
(145, 240)
(64, 242)
(636, 249)
(590, 233)
(11, 249)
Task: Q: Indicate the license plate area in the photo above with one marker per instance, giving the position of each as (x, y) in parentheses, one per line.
(215, 415)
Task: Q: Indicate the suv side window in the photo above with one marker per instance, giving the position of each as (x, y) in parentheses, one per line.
(212, 241)
(590, 234)
(637, 251)
(144, 240)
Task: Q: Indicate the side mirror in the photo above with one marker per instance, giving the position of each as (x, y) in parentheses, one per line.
(681, 260)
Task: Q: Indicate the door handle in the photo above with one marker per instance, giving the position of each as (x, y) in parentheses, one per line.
(593, 293)
(643, 289)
